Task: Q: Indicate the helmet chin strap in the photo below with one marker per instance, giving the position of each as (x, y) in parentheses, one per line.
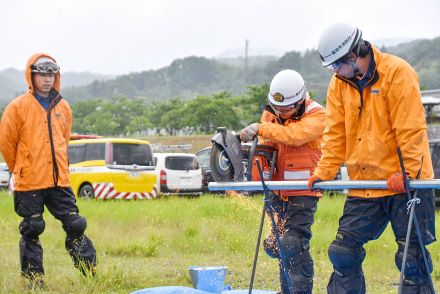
(356, 70)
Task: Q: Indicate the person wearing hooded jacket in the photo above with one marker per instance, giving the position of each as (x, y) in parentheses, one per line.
(293, 124)
(34, 135)
(373, 107)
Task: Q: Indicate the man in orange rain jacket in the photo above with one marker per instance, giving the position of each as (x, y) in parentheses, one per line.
(34, 136)
(374, 106)
(293, 124)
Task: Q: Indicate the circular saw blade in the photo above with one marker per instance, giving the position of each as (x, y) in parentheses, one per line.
(221, 167)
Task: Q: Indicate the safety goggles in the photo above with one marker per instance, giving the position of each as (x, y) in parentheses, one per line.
(337, 64)
(287, 108)
(45, 67)
(347, 59)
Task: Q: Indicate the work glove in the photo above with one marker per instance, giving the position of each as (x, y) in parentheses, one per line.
(395, 183)
(249, 133)
(313, 179)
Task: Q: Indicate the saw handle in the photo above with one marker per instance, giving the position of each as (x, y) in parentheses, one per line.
(250, 158)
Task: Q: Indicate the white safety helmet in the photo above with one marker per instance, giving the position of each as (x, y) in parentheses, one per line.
(287, 88)
(336, 41)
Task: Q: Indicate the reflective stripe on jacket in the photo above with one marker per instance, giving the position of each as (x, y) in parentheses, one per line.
(28, 134)
(364, 130)
(297, 143)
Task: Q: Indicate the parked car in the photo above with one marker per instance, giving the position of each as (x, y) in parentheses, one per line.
(4, 175)
(178, 173)
(203, 156)
(112, 168)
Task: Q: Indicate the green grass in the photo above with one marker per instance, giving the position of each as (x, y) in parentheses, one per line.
(143, 244)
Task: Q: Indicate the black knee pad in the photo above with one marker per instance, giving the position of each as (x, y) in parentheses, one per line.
(415, 270)
(292, 247)
(298, 262)
(346, 260)
(32, 226)
(74, 225)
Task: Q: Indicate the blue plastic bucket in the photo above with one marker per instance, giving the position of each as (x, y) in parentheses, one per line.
(208, 278)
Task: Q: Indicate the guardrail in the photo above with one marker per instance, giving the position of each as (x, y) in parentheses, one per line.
(430, 92)
(171, 148)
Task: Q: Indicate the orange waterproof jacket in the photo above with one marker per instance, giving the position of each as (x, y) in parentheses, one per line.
(34, 141)
(365, 129)
(297, 142)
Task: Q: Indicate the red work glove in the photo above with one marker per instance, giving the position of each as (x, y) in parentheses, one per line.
(312, 180)
(395, 183)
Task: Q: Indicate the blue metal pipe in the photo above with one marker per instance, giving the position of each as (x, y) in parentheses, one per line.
(325, 185)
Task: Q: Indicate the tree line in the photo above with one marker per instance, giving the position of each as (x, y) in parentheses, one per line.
(120, 116)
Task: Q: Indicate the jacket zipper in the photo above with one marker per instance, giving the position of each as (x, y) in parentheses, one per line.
(357, 88)
(55, 170)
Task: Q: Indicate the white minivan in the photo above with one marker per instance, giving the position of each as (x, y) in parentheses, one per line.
(4, 175)
(178, 173)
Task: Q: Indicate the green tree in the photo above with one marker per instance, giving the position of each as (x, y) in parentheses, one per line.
(118, 116)
(209, 112)
(159, 109)
(174, 119)
(254, 102)
(101, 123)
(81, 110)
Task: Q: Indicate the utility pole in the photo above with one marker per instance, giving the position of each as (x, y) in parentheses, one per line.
(246, 61)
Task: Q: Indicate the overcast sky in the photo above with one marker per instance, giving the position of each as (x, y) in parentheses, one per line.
(118, 37)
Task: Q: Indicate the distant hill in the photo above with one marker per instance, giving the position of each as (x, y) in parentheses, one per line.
(12, 82)
(390, 42)
(184, 78)
(424, 55)
(193, 76)
(258, 60)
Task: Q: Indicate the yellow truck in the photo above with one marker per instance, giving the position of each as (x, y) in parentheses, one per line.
(112, 168)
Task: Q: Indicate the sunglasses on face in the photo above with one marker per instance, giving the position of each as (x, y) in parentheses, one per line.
(46, 67)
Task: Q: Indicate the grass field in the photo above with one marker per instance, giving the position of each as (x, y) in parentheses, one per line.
(143, 244)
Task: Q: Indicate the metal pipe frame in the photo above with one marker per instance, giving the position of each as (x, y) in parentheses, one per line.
(324, 185)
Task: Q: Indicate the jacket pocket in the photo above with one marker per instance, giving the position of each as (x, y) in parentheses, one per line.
(298, 168)
(24, 166)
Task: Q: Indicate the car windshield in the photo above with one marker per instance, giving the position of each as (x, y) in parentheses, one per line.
(84, 152)
(129, 154)
(76, 153)
(203, 158)
(4, 167)
(181, 163)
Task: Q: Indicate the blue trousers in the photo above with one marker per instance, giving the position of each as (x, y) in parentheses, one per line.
(294, 221)
(366, 219)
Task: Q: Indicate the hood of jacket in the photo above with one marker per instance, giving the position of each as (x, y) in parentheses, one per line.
(28, 73)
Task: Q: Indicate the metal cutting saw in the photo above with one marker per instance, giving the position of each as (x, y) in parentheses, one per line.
(233, 161)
